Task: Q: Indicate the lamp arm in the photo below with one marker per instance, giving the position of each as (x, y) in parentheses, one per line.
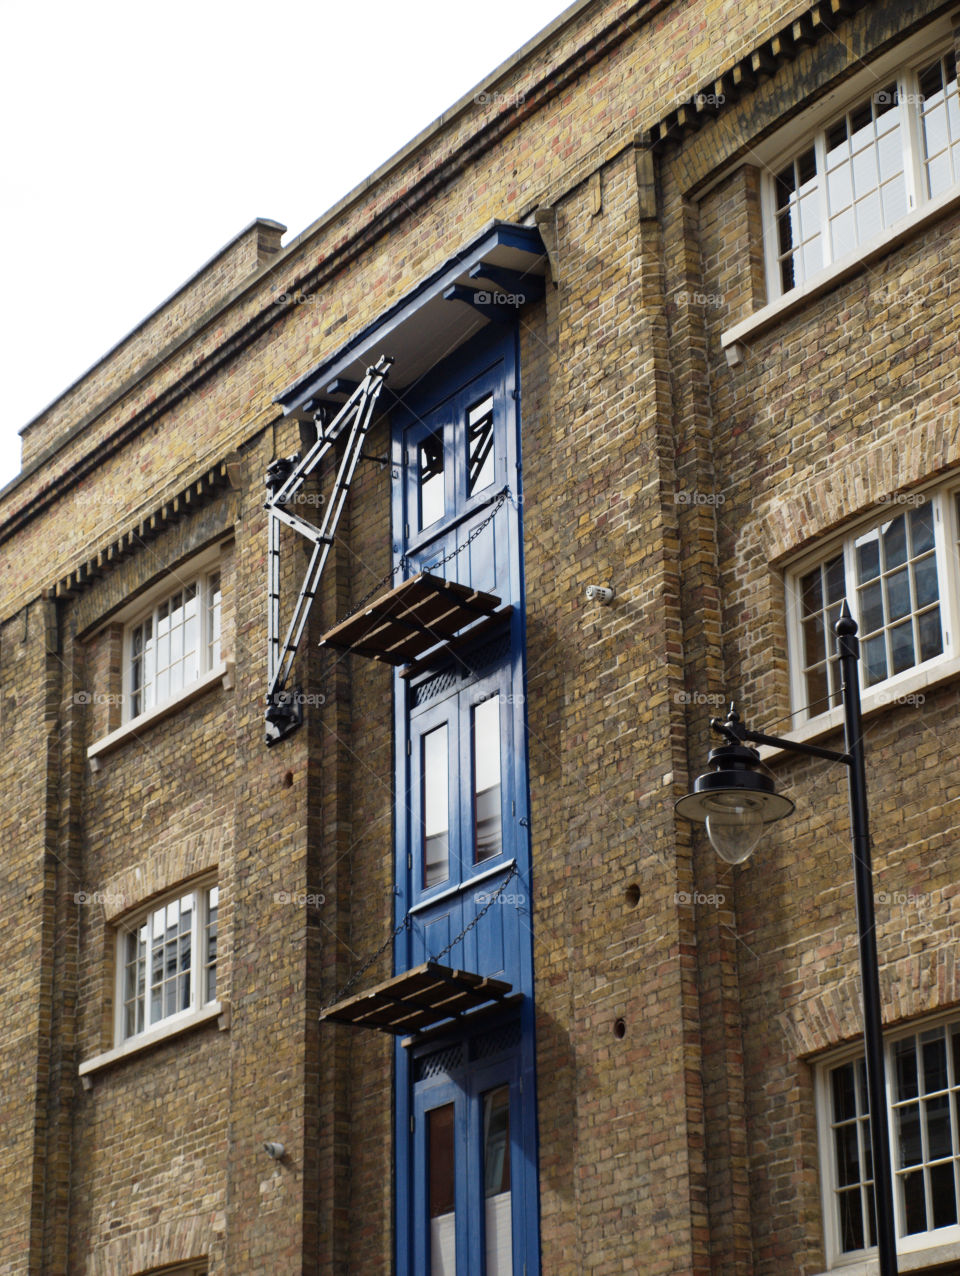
(734, 731)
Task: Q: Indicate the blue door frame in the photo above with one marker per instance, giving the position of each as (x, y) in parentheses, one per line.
(502, 942)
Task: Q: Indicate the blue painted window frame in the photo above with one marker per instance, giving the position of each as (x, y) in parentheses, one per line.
(465, 1088)
(457, 384)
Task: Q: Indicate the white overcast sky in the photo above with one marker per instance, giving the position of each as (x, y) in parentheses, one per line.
(138, 139)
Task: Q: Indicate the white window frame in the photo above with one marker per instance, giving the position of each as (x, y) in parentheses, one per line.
(200, 572)
(904, 70)
(947, 535)
(200, 889)
(915, 1242)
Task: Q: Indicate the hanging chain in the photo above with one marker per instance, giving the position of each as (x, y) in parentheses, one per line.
(486, 908)
(358, 974)
(404, 925)
(498, 506)
(402, 562)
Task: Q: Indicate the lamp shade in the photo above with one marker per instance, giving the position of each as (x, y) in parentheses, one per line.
(735, 801)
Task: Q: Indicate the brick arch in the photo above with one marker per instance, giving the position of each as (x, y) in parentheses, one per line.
(910, 450)
(921, 984)
(165, 867)
(192, 1239)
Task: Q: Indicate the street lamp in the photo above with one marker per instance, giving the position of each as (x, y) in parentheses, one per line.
(737, 802)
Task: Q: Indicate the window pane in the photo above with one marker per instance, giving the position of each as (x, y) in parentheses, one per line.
(943, 1195)
(939, 1138)
(210, 953)
(894, 537)
(213, 627)
(486, 761)
(905, 1061)
(496, 1182)
(436, 813)
(848, 1155)
(431, 479)
(925, 580)
(480, 446)
(921, 528)
(934, 1048)
(874, 660)
(901, 647)
(914, 1206)
(898, 595)
(844, 1093)
(909, 1147)
(931, 636)
(441, 1192)
(851, 1220)
(868, 556)
(871, 608)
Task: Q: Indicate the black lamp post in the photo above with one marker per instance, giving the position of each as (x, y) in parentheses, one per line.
(736, 801)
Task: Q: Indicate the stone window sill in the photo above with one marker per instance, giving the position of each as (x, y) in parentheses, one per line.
(222, 673)
(734, 338)
(909, 691)
(916, 1260)
(163, 1032)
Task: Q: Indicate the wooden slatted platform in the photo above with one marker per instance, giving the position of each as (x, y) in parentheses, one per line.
(418, 999)
(402, 626)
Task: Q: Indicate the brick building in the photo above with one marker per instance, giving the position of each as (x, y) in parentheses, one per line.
(671, 301)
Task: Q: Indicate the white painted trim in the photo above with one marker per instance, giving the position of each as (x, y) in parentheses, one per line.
(167, 1028)
(846, 267)
(222, 673)
(872, 701)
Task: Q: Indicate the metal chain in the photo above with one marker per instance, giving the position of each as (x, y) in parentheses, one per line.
(486, 908)
(358, 974)
(501, 499)
(401, 564)
(398, 930)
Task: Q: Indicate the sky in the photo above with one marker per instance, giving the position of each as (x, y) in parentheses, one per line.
(138, 139)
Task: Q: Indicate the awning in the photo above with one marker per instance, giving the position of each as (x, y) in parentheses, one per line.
(419, 999)
(402, 626)
(488, 281)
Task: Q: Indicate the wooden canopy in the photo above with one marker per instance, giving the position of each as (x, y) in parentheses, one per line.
(418, 999)
(402, 626)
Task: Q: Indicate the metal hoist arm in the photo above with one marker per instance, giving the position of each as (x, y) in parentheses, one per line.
(285, 477)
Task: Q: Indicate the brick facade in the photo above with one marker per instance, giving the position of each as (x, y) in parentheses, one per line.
(677, 1042)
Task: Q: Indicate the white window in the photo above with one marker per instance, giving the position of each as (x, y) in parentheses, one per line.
(167, 961)
(891, 151)
(899, 575)
(923, 1092)
(176, 642)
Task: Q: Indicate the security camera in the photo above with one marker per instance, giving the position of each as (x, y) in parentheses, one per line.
(599, 594)
(274, 1150)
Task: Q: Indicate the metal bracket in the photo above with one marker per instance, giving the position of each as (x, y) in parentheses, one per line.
(284, 479)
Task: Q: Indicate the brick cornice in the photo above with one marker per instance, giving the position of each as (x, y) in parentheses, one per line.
(742, 77)
(197, 493)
